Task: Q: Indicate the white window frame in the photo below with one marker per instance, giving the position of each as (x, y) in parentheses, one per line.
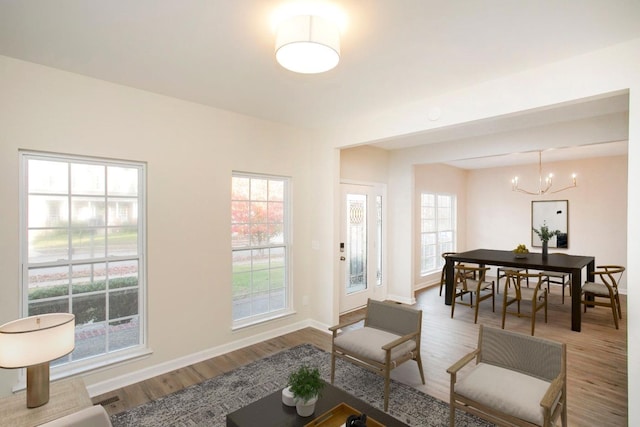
(107, 358)
(286, 245)
(432, 253)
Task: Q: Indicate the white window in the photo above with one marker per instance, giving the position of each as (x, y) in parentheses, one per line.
(437, 230)
(260, 247)
(83, 252)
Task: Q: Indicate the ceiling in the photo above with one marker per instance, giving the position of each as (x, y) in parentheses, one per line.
(221, 52)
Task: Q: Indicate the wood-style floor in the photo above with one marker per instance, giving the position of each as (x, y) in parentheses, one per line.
(596, 357)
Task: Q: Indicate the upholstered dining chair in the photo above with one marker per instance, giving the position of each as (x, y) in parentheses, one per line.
(605, 292)
(517, 380)
(390, 337)
(480, 287)
(516, 292)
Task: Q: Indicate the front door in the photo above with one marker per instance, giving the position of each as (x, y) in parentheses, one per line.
(361, 259)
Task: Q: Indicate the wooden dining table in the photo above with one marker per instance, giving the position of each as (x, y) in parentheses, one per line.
(572, 264)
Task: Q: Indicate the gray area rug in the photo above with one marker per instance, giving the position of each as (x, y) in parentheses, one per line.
(207, 403)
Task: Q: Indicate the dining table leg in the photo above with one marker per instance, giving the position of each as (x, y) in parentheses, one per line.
(448, 278)
(576, 299)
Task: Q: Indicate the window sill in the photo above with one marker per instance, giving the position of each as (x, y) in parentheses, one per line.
(254, 322)
(93, 365)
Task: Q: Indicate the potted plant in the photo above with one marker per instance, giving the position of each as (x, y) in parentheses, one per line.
(545, 235)
(306, 385)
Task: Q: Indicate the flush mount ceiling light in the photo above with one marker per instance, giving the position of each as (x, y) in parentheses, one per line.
(307, 44)
(544, 183)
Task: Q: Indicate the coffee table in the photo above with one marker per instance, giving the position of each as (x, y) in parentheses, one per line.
(271, 412)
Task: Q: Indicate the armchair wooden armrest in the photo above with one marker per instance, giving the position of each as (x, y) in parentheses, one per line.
(463, 361)
(399, 341)
(335, 328)
(551, 396)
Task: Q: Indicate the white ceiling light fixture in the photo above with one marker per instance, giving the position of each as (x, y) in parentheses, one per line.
(544, 183)
(308, 44)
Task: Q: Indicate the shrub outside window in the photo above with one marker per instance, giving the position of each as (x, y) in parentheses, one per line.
(83, 251)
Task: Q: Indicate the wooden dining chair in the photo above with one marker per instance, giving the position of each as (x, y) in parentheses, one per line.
(604, 293)
(557, 278)
(443, 277)
(516, 292)
(479, 287)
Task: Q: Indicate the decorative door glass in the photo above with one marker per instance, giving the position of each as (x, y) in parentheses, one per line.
(356, 243)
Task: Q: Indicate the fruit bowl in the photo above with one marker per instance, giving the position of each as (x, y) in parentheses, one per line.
(521, 251)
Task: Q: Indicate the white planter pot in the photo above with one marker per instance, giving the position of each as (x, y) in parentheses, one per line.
(287, 397)
(306, 408)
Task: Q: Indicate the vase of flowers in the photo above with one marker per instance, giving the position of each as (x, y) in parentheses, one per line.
(545, 234)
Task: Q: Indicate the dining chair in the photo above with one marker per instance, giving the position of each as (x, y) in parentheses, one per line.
(479, 287)
(443, 277)
(558, 278)
(604, 293)
(444, 267)
(515, 292)
(501, 274)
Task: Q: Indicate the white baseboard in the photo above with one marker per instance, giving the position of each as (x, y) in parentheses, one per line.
(404, 300)
(171, 365)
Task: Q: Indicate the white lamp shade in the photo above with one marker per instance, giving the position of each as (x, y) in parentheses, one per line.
(307, 44)
(37, 339)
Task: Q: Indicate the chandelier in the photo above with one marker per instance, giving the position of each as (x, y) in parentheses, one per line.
(544, 183)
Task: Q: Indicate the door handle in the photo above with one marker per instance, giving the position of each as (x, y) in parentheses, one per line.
(342, 258)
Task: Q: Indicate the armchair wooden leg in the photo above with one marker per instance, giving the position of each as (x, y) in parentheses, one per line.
(387, 380)
(452, 406)
(333, 366)
(419, 362)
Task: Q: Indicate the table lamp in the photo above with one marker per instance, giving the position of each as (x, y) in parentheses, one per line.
(32, 342)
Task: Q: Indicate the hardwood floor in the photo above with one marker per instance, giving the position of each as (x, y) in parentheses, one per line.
(596, 357)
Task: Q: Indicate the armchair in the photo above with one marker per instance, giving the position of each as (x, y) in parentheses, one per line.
(518, 380)
(390, 337)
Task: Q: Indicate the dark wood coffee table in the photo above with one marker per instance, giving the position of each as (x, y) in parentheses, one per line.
(271, 412)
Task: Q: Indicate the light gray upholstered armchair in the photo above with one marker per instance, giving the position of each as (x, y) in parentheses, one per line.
(390, 337)
(518, 380)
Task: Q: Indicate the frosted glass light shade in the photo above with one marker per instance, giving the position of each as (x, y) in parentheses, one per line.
(307, 44)
(37, 339)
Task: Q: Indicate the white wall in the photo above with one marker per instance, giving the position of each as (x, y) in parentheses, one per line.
(190, 152)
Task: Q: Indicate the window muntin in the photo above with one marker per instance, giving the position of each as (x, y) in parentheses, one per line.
(260, 247)
(83, 251)
(437, 230)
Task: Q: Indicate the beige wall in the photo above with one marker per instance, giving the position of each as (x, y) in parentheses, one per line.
(364, 164)
(190, 151)
(438, 178)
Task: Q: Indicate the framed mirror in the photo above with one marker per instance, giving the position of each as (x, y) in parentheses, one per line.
(555, 214)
